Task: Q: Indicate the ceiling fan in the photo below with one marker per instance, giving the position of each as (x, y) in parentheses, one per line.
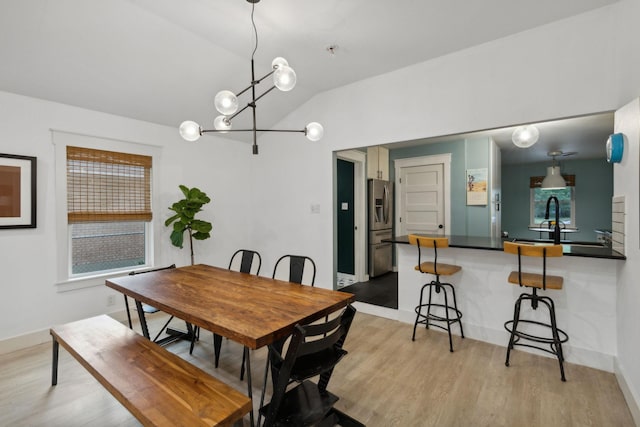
(560, 153)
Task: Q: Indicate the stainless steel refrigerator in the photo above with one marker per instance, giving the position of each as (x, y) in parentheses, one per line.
(380, 203)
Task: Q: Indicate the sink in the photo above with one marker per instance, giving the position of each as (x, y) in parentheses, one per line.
(565, 243)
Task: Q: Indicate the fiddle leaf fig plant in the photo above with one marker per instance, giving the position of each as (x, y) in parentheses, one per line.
(185, 218)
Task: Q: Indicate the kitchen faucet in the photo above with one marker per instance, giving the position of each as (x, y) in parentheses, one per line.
(556, 228)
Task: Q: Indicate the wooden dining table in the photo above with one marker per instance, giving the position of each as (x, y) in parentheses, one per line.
(254, 311)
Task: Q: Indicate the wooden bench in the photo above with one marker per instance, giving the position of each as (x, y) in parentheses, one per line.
(156, 386)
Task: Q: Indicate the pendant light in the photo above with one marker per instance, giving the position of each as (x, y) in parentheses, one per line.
(554, 179)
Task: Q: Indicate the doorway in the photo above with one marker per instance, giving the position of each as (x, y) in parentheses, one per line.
(350, 218)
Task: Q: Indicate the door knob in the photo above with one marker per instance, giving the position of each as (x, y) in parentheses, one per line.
(441, 226)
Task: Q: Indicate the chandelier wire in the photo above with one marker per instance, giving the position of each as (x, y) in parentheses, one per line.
(255, 30)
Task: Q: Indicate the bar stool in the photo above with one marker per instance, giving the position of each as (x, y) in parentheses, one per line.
(535, 281)
(447, 314)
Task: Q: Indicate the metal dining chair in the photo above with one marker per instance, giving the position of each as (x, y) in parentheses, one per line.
(313, 351)
(295, 268)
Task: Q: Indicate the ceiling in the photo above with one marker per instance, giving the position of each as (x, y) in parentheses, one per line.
(577, 137)
(163, 61)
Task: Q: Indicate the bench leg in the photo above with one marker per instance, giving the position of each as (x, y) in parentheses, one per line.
(54, 364)
(143, 320)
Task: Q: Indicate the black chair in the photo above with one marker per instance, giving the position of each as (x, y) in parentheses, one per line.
(243, 261)
(246, 261)
(313, 350)
(147, 309)
(295, 268)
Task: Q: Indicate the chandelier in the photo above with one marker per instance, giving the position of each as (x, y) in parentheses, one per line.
(227, 104)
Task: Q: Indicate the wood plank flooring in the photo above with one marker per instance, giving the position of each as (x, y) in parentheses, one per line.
(385, 380)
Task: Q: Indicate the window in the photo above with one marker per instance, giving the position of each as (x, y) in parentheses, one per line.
(108, 209)
(566, 201)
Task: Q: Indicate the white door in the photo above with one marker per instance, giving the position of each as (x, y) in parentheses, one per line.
(422, 191)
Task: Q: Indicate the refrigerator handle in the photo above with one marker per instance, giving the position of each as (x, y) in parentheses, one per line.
(386, 204)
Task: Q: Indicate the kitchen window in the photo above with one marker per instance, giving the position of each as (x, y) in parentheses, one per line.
(108, 210)
(538, 203)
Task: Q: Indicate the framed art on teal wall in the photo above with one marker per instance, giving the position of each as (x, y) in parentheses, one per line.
(477, 186)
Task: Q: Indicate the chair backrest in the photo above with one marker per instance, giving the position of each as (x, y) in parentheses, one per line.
(133, 273)
(313, 350)
(295, 268)
(527, 249)
(246, 261)
(430, 243)
(532, 250)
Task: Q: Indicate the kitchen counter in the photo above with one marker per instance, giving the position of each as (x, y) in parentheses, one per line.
(570, 248)
(585, 306)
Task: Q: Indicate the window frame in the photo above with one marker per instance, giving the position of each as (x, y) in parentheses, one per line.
(532, 192)
(65, 280)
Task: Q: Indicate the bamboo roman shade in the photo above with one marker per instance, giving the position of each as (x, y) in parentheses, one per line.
(107, 186)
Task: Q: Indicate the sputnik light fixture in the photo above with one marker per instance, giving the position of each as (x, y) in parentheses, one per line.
(226, 102)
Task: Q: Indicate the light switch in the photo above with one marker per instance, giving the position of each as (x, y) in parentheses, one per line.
(345, 206)
(315, 208)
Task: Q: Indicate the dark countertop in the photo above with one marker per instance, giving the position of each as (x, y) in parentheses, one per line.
(570, 248)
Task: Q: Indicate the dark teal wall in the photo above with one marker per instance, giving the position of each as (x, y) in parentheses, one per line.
(465, 220)
(593, 193)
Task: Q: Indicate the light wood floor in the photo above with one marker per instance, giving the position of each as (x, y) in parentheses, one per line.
(386, 380)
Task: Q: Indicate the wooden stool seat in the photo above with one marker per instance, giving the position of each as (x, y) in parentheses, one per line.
(535, 280)
(448, 313)
(443, 269)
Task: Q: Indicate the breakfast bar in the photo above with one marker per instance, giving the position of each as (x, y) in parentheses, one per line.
(586, 306)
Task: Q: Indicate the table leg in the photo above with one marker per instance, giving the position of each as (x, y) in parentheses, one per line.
(250, 391)
(143, 320)
(54, 364)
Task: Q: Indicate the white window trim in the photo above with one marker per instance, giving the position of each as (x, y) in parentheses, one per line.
(573, 226)
(61, 139)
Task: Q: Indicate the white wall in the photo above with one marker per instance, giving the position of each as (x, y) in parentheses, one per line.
(585, 64)
(626, 183)
(31, 299)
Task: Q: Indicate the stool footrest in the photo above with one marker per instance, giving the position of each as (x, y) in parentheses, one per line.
(448, 314)
(426, 317)
(563, 337)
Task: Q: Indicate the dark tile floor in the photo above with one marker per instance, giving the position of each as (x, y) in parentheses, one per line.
(382, 290)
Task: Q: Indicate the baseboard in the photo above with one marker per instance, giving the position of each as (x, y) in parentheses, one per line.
(387, 313)
(10, 345)
(20, 342)
(629, 395)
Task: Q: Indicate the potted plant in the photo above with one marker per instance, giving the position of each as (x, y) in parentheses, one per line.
(185, 218)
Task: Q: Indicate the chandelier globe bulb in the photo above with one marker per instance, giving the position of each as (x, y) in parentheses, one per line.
(190, 131)
(226, 102)
(314, 131)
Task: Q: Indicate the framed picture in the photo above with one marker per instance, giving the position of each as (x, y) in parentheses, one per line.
(17, 191)
(477, 186)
